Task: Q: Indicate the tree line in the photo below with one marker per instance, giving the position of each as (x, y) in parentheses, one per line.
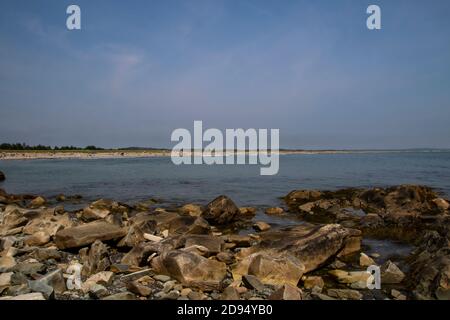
(24, 146)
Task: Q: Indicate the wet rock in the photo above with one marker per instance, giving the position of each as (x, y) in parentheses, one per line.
(347, 294)
(286, 292)
(298, 197)
(248, 212)
(86, 234)
(391, 274)
(191, 269)
(401, 205)
(95, 259)
(261, 226)
(38, 202)
(192, 210)
(274, 211)
(307, 207)
(38, 239)
(28, 296)
(221, 210)
(430, 268)
(365, 260)
(313, 281)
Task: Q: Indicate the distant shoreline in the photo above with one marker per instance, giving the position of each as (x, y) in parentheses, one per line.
(144, 153)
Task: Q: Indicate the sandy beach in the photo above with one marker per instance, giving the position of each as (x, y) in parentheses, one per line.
(114, 154)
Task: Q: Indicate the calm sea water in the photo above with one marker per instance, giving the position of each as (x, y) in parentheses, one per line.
(132, 180)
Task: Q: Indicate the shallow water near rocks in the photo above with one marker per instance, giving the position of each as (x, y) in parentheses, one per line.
(133, 180)
(387, 249)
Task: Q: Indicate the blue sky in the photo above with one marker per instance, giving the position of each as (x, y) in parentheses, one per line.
(140, 69)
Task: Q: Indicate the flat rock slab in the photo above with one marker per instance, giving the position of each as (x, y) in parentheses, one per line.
(86, 234)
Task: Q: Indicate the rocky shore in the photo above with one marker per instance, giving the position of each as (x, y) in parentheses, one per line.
(112, 250)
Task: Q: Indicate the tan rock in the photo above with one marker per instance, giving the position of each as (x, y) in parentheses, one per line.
(221, 210)
(139, 289)
(151, 237)
(307, 207)
(213, 244)
(6, 263)
(313, 281)
(391, 274)
(230, 293)
(38, 239)
(95, 259)
(86, 234)
(274, 211)
(49, 222)
(37, 202)
(191, 209)
(261, 226)
(346, 294)
(273, 270)
(27, 296)
(191, 269)
(365, 260)
(441, 203)
(94, 213)
(287, 292)
(310, 244)
(355, 279)
(5, 280)
(247, 211)
(103, 278)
